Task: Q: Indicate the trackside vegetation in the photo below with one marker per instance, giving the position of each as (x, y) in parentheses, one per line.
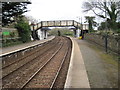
(23, 30)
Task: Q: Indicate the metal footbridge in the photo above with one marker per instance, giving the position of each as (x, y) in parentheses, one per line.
(59, 23)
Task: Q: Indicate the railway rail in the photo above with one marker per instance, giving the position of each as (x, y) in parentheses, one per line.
(40, 69)
(12, 59)
(15, 65)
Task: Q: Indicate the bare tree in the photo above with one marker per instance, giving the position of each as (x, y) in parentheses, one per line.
(32, 19)
(99, 8)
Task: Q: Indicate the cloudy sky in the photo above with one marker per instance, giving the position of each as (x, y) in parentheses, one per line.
(56, 9)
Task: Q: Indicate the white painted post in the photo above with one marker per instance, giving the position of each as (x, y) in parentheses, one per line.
(42, 34)
(45, 33)
(39, 34)
(78, 33)
(31, 38)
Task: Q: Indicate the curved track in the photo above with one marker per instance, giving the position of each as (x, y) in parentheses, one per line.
(27, 59)
(41, 70)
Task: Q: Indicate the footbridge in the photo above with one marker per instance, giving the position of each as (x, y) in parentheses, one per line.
(40, 29)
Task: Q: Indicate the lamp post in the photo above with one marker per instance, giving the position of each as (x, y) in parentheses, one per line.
(77, 34)
(106, 36)
(80, 21)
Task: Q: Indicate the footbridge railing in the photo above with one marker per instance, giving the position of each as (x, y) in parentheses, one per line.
(57, 23)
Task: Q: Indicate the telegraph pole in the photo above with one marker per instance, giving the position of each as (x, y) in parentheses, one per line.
(80, 21)
(106, 35)
(82, 29)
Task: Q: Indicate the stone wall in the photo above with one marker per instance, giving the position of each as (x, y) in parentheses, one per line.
(113, 41)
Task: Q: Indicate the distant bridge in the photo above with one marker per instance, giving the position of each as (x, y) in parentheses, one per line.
(39, 31)
(59, 23)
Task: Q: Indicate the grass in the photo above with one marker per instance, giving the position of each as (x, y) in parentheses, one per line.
(106, 57)
(11, 44)
(110, 62)
(109, 58)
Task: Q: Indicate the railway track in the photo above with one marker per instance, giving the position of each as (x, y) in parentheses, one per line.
(23, 70)
(11, 68)
(13, 61)
(43, 71)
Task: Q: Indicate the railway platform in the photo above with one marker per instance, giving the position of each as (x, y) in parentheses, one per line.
(77, 75)
(91, 67)
(16, 48)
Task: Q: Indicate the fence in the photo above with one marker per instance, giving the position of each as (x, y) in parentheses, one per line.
(113, 41)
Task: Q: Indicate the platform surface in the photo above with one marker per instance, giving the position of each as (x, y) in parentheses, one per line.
(102, 68)
(90, 67)
(77, 75)
(15, 48)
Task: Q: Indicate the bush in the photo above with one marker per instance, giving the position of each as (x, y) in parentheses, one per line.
(118, 30)
(10, 43)
(23, 30)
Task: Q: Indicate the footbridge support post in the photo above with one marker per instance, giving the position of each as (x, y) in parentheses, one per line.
(45, 34)
(74, 33)
(77, 33)
(34, 35)
(42, 33)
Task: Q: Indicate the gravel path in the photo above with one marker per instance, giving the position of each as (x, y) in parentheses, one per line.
(101, 74)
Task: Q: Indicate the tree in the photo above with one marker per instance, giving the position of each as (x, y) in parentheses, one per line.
(103, 26)
(32, 20)
(23, 29)
(112, 9)
(91, 22)
(11, 10)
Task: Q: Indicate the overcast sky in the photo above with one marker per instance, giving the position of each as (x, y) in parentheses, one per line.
(56, 9)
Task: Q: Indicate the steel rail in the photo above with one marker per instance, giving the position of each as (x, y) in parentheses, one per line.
(27, 62)
(63, 60)
(23, 57)
(23, 86)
